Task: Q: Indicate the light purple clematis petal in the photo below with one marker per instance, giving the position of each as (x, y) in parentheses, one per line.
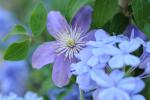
(60, 73)
(137, 32)
(82, 19)
(56, 23)
(43, 55)
(90, 36)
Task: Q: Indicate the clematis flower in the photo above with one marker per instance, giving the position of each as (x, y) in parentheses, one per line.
(116, 87)
(70, 39)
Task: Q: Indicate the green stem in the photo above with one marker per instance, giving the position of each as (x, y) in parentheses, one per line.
(81, 95)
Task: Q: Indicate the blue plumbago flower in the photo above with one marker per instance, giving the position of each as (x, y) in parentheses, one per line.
(28, 96)
(83, 70)
(102, 37)
(145, 59)
(9, 80)
(107, 46)
(101, 47)
(117, 87)
(74, 94)
(6, 22)
(148, 47)
(70, 39)
(11, 96)
(54, 93)
(133, 32)
(32, 96)
(124, 56)
(145, 62)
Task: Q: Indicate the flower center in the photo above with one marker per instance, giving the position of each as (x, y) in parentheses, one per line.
(71, 43)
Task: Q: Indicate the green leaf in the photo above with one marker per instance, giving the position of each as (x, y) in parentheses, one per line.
(117, 24)
(104, 10)
(17, 51)
(17, 30)
(38, 19)
(141, 13)
(147, 29)
(69, 7)
(146, 91)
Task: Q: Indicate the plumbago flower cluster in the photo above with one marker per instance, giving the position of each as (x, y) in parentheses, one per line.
(102, 63)
(28, 96)
(106, 65)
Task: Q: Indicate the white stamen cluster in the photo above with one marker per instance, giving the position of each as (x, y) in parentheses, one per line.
(69, 42)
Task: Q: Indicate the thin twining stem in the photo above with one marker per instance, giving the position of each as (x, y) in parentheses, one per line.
(146, 76)
(131, 69)
(81, 94)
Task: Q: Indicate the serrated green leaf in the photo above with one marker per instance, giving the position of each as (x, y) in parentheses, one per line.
(38, 19)
(17, 30)
(17, 51)
(104, 10)
(141, 13)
